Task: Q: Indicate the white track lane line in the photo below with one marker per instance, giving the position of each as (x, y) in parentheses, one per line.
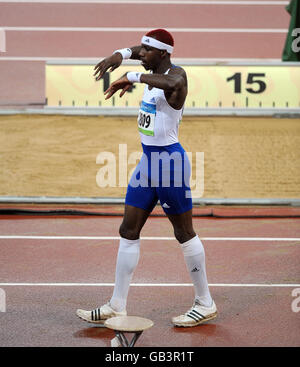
(169, 2)
(146, 285)
(268, 239)
(143, 29)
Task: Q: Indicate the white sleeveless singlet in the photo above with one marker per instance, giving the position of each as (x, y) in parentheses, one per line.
(157, 121)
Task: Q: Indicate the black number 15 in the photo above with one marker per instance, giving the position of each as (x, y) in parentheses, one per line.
(250, 80)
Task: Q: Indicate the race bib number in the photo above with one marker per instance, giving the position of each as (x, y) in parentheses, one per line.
(146, 118)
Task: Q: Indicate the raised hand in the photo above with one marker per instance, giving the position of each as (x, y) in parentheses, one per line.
(122, 83)
(112, 62)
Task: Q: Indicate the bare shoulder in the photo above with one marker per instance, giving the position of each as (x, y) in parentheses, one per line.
(176, 97)
(178, 70)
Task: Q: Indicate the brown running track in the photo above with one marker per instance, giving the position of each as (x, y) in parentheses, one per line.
(248, 316)
(170, 16)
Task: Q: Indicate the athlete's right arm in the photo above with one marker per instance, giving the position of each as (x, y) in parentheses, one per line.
(114, 61)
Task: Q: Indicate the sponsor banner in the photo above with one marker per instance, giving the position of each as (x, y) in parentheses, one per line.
(209, 86)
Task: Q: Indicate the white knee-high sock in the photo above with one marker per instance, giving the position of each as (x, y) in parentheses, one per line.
(127, 260)
(194, 257)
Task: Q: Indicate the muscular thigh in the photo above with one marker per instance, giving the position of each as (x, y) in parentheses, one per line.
(183, 226)
(133, 222)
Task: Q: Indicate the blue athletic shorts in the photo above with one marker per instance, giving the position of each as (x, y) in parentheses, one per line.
(163, 174)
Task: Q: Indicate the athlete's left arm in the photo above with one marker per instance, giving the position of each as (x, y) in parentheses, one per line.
(174, 84)
(172, 81)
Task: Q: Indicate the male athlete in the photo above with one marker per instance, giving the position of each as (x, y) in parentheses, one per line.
(160, 175)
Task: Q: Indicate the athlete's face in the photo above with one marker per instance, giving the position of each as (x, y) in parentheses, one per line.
(150, 57)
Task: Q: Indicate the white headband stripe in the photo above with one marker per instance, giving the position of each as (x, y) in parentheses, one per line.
(157, 44)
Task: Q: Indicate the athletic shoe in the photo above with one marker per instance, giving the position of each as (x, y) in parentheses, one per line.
(99, 315)
(196, 315)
